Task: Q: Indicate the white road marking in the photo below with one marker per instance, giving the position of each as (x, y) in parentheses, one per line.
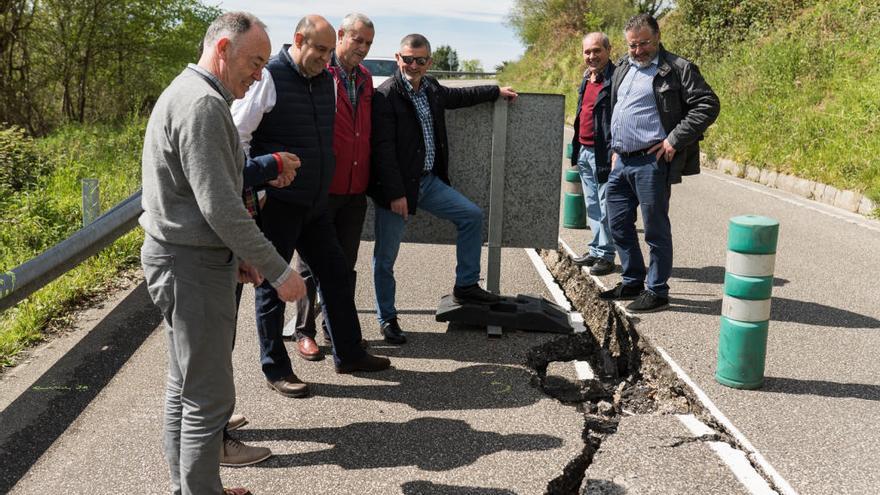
(839, 214)
(778, 480)
(730, 456)
(735, 459)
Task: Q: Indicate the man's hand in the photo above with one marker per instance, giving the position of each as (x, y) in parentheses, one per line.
(613, 160)
(508, 94)
(663, 150)
(400, 207)
(292, 289)
(248, 274)
(289, 164)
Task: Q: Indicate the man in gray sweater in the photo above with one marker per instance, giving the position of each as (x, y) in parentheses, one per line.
(196, 230)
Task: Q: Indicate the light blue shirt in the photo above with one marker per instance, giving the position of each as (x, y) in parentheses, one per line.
(635, 120)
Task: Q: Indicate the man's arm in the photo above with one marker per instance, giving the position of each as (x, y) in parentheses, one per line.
(277, 169)
(207, 156)
(702, 106)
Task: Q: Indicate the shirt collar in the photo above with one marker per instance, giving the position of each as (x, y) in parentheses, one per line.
(334, 61)
(214, 81)
(409, 87)
(654, 61)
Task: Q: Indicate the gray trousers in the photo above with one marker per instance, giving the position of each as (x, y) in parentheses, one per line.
(195, 290)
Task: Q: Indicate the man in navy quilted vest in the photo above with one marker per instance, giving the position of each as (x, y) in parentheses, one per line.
(292, 109)
(347, 203)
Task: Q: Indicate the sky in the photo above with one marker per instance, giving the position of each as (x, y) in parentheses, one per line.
(476, 29)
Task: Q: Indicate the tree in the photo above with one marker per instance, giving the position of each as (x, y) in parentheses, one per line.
(445, 58)
(471, 65)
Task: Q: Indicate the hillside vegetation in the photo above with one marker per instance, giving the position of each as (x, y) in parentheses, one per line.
(798, 80)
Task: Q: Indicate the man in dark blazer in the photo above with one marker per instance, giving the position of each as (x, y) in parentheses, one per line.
(410, 168)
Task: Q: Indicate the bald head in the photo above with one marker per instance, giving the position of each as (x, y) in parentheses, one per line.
(313, 43)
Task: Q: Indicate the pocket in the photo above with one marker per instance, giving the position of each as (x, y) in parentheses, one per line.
(159, 277)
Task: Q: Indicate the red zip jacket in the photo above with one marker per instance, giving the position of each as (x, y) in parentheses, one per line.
(351, 135)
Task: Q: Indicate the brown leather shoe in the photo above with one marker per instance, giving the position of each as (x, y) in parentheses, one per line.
(308, 349)
(289, 386)
(368, 363)
(236, 491)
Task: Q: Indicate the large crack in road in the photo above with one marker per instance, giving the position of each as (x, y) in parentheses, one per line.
(630, 378)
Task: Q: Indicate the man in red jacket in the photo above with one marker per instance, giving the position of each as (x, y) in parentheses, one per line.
(347, 203)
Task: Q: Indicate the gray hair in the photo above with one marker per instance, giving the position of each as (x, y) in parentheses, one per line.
(415, 41)
(602, 36)
(349, 21)
(639, 21)
(230, 25)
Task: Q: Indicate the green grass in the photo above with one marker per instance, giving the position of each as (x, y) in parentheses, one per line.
(805, 99)
(802, 99)
(37, 218)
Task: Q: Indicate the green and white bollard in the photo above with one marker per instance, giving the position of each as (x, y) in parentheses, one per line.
(574, 210)
(568, 150)
(745, 308)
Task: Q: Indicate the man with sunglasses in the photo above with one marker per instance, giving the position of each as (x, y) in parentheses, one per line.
(292, 108)
(410, 169)
(662, 107)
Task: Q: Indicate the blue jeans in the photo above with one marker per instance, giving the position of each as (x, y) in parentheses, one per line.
(633, 183)
(442, 201)
(601, 245)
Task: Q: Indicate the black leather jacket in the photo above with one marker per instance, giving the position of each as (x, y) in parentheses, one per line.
(398, 156)
(687, 106)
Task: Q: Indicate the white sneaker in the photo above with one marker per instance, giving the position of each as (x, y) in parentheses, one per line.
(234, 453)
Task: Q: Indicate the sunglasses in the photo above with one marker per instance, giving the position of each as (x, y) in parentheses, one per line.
(408, 59)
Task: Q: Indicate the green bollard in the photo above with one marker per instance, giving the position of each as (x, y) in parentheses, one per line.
(745, 309)
(568, 150)
(574, 210)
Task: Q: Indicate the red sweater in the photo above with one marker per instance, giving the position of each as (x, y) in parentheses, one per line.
(351, 135)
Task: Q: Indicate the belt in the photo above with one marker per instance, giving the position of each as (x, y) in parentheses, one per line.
(641, 152)
(425, 173)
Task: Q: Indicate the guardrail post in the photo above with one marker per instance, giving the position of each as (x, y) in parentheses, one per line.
(91, 201)
(745, 308)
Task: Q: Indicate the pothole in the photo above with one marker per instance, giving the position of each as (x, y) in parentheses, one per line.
(629, 377)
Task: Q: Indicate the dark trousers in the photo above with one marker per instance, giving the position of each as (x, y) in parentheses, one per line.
(313, 236)
(346, 212)
(642, 182)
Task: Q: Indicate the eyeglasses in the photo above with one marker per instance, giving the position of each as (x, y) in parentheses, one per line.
(640, 44)
(408, 59)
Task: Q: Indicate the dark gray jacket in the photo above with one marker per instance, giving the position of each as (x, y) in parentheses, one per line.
(687, 106)
(601, 125)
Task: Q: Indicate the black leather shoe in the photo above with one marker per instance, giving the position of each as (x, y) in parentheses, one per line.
(648, 302)
(393, 333)
(367, 363)
(621, 291)
(473, 294)
(602, 267)
(585, 260)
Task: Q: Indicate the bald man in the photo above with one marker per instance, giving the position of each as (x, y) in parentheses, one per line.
(292, 109)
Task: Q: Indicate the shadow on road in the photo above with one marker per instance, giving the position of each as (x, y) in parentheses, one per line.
(710, 275)
(30, 425)
(782, 309)
(429, 488)
(821, 388)
(472, 387)
(431, 444)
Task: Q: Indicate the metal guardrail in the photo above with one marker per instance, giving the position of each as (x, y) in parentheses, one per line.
(31, 276)
(444, 73)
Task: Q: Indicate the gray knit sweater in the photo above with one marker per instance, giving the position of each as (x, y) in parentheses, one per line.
(192, 174)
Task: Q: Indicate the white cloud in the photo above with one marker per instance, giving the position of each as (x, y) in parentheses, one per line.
(471, 10)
